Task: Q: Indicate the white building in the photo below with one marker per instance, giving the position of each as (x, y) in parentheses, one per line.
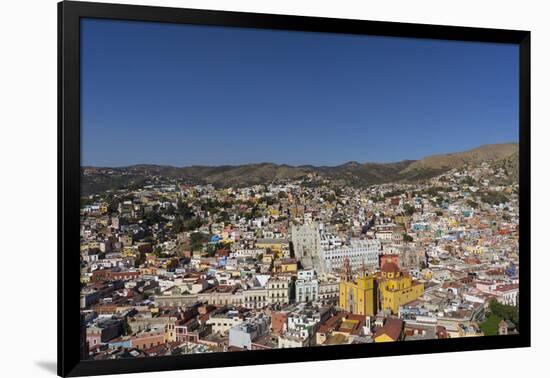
(221, 323)
(329, 291)
(307, 286)
(255, 298)
(248, 253)
(507, 294)
(318, 249)
(243, 335)
(278, 291)
(359, 253)
(294, 339)
(306, 240)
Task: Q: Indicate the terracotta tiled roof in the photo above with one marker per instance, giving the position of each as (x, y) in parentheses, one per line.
(390, 267)
(392, 328)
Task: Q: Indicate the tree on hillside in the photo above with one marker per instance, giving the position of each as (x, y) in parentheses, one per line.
(506, 312)
(409, 209)
(472, 204)
(197, 240)
(498, 312)
(184, 210)
(490, 325)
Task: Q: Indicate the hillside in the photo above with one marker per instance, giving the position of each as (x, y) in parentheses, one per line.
(351, 173)
(436, 164)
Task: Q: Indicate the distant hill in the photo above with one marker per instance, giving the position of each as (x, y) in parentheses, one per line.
(351, 173)
(437, 164)
(249, 174)
(458, 159)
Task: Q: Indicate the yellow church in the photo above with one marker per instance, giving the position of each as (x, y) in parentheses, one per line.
(357, 296)
(396, 289)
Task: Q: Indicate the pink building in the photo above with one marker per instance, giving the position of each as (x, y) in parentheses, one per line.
(147, 340)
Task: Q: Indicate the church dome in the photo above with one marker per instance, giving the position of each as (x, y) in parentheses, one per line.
(390, 267)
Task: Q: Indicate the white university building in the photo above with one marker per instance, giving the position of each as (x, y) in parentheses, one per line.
(307, 245)
(359, 252)
(320, 250)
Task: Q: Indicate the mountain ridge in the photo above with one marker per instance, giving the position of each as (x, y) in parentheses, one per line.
(349, 173)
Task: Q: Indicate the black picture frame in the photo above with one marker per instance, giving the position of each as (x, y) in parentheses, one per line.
(69, 327)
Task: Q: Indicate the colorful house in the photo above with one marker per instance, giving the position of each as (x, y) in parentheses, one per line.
(275, 245)
(285, 266)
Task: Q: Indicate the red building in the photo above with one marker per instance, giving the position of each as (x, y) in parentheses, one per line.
(110, 275)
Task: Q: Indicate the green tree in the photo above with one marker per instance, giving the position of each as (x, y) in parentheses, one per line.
(468, 180)
(494, 198)
(472, 204)
(498, 312)
(409, 209)
(152, 217)
(158, 251)
(197, 240)
(490, 325)
(177, 225)
(505, 312)
(329, 197)
(170, 210)
(184, 210)
(269, 200)
(192, 224)
(224, 216)
(112, 203)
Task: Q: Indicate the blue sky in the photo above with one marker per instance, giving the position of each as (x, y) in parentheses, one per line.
(200, 95)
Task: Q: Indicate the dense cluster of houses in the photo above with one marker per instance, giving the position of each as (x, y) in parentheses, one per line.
(169, 268)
